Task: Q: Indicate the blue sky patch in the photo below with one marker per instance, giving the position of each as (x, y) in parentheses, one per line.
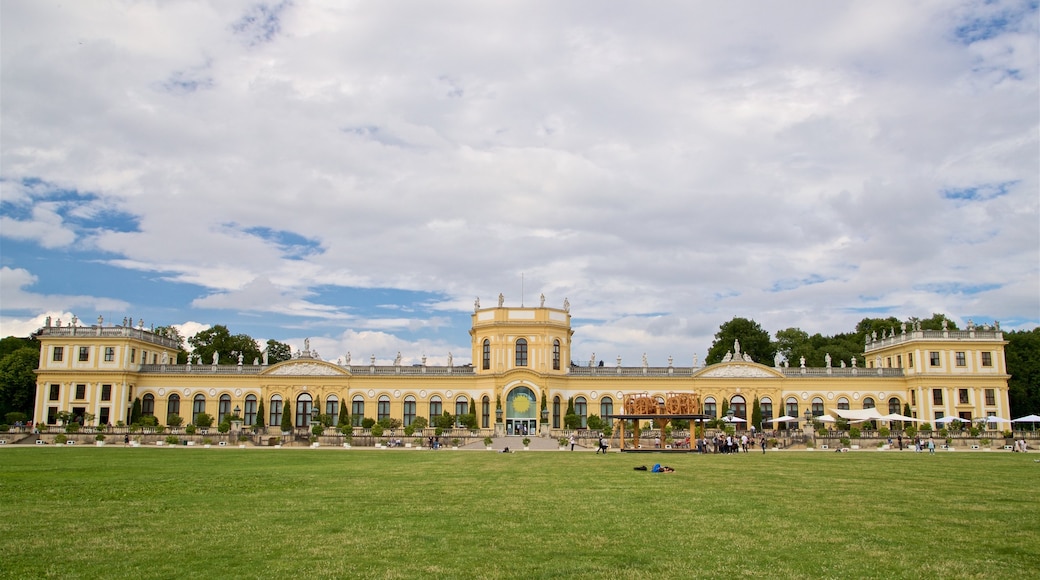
(994, 23)
(947, 288)
(261, 23)
(792, 283)
(979, 192)
(293, 245)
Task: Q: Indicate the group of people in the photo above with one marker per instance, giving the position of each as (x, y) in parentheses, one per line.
(723, 443)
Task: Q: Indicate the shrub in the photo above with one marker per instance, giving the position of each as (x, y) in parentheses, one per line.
(884, 432)
(854, 433)
(15, 416)
(527, 441)
(1008, 434)
(984, 442)
(72, 428)
(822, 431)
(61, 439)
(172, 440)
(455, 442)
(225, 426)
(572, 421)
(99, 437)
(409, 430)
(190, 429)
(243, 437)
(5, 428)
(317, 429)
(487, 441)
(563, 441)
(594, 422)
(174, 420)
(384, 423)
(368, 422)
(910, 431)
(944, 433)
(809, 444)
(420, 423)
(395, 423)
(607, 431)
(845, 441)
(204, 420)
(207, 441)
(926, 426)
(974, 431)
(377, 430)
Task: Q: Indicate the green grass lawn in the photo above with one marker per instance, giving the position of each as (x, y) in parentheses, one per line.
(115, 512)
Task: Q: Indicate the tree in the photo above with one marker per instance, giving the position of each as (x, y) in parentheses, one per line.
(204, 420)
(260, 415)
(219, 339)
(753, 340)
(287, 423)
(13, 343)
(756, 414)
(1023, 364)
(135, 412)
(18, 380)
(278, 351)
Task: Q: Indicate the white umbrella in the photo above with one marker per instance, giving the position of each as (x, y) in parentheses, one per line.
(949, 419)
(1027, 419)
(782, 419)
(992, 419)
(824, 419)
(733, 420)
(898, 417)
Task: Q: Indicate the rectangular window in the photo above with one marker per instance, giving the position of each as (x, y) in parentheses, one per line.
(899, 360)
(962, 361)
(110, 353)
(934, 358)
(888, 362)
(103, 416)
(84, 353)
(81, 392)
(357, 411)
(59, 354)
(55, 392)
(913, 397)
(987, 359)
(106, 392)
(962, 396)
(155, 358)
(52, 415)
(910, 359)
(133, 355)
(938, 415)
(991, 397)
(276, 413)
(937, 397)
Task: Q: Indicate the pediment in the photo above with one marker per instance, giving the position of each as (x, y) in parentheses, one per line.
(738, 370)
(306, 369)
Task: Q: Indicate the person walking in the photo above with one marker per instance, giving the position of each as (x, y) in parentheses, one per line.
(572, 441)
(762, 442)
(931, 446)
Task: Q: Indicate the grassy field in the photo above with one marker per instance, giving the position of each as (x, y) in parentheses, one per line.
(173, 513)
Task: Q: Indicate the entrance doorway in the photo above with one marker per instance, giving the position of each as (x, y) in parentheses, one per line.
(521, 426)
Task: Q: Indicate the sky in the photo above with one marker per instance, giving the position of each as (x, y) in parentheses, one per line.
(358, 173)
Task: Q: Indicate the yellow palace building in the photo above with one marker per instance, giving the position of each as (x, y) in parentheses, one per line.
(521, 358)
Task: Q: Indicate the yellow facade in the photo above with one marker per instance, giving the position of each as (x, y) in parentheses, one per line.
(520, 357)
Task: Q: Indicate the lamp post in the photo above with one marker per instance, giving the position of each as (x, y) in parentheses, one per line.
(808, 418)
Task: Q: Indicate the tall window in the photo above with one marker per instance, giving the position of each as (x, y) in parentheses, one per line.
(223, 408)
(991, 397)
(556, 355)
(332, 408)
(893, 406)
(521, 352)
(436, 408)
(461, 408)
(937, 398)
(792, 407)
(843, 404)
(58, 354)
(409, 410)
(767, 408)
(106, 392)
(933, 358)
(148, 404)
(110, 353)
(987, 359)
(709, 407)
(485, 413)
(276, 411)
(962, 395)
(198, 407)
(960, 358)
(606, 407)
(581, 410)
(133, 355)
(739, 406)
(173, 405)
(486, 357)
(250, 412)
(817, 406)
(81, 391)
(383, 408)
(84, 353)
(910, 359)
(556, 412)
(357, 410)
(304, 404)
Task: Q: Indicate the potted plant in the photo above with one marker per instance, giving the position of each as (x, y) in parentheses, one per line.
(61, 439)
(207, 442)
(417, 442)
(99, 440)
(455, 443)
(487, 442)
(527, 443)
(563, 443)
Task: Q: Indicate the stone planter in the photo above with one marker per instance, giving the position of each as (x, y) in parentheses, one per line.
(99, 443)
(346, 445)
(489, 448)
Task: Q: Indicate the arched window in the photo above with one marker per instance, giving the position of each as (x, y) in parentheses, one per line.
(304, 404)
(357, 410)
(198, 407)
(485, 412)
(766, 404)
(173, 405)
(250, 412)
(461, 408)
(332, 408)
(223, 408)
(709, 407)
(868, 403)
(486, 357)
(276, 411)
(893, 406)
(606, 407)
(556, 354)
(817, 406)
(739, 406)
(148, 404)
(582, 411)
(556, 412)
(383, 408)
(436, 409)
(843, 404)
(409, 410)
(521, 352)
(792, 407)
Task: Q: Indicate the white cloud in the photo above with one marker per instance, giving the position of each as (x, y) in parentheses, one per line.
(665, 168)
